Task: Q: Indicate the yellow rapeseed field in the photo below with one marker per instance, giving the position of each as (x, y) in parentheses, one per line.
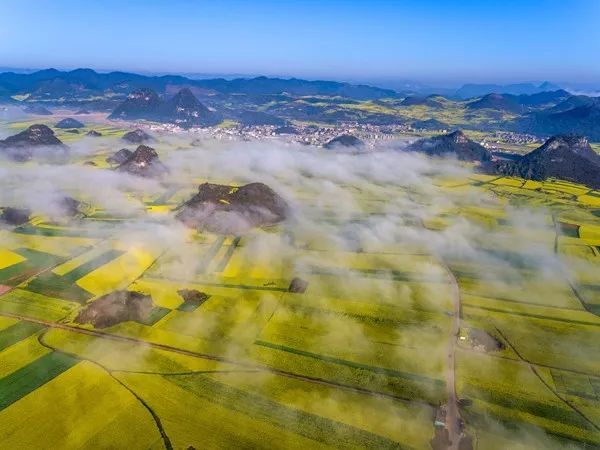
(99, 413)
(119, 273)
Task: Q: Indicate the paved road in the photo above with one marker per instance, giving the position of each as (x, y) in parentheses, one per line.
(452, 412)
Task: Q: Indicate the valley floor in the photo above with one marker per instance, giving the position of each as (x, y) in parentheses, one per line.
(465, 293)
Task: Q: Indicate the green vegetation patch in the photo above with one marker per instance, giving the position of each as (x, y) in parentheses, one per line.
(569, 229)
(154, 316)
(36, 261)
(228, 254)
(327, 431)
(395, 275)
(48, 231)
(408, 317)
(552, 411)
(573, 384)
(595, 382)
(531, 315)
(65, 287)
(29, 378)
(188, 307)
(369, 380)
(92, 265)
(53, 285)
(34, 305)
(18, 332)
(355, 365)
(209, 255)
(482, 421)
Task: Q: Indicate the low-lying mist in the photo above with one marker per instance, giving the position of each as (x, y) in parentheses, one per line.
(384, 201)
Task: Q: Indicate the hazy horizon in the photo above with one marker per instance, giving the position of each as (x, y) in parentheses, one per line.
(395, 83)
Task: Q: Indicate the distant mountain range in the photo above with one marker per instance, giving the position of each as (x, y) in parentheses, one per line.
(472, 90)
(518, 103)
(542, 109)
(497, 102)
(478, 90)
(181, 100)
(546, 113)
(579, 115)
(47, 83)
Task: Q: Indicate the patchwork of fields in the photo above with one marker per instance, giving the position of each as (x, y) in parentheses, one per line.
(358, 360)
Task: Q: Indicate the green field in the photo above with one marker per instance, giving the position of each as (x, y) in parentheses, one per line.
(359, 360)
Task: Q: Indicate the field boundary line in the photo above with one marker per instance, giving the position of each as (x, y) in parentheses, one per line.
(284, 373)
(555, 393)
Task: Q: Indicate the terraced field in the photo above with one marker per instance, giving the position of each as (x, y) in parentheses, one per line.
(357, 360)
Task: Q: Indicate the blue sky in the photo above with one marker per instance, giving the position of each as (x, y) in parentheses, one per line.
(427, 40)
